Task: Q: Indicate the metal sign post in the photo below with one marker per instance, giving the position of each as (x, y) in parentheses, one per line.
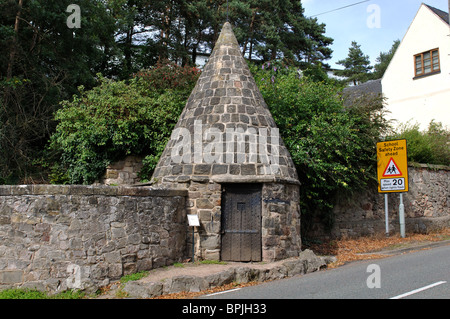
(392, 175)
(386, 213)
(401, 214)
(193, 222)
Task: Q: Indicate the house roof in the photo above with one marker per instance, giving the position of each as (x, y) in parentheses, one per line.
(225, 104)
(442, 14)
(352, 93)
(373, 86)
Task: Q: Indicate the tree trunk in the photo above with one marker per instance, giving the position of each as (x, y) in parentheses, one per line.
(127, 50)
(251, 49)
(251, 36)
(194, 55)
(12, 54)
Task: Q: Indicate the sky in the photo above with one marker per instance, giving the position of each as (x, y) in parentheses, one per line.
(374, 24)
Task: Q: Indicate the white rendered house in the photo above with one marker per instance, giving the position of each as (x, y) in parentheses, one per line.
(416, 84)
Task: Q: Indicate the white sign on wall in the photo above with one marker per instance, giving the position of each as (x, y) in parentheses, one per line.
(193, 220)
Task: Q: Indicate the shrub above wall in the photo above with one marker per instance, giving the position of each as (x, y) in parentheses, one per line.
(116, 119)
(431, 146)
(426, 207)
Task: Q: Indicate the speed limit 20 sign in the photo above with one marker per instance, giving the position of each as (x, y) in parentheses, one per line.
(392, 167)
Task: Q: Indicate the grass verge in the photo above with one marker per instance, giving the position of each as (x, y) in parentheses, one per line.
(19, 293)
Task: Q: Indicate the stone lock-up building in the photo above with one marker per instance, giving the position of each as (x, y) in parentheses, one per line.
(227, 152)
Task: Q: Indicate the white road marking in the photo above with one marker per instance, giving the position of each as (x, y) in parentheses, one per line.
(419, 290)
(223, 292)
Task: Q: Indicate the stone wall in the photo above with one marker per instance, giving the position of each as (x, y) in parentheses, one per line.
(280, 221)
(59, 237)
(280, 218)
(123, 172)
(426, 207)
(227, 135)
(205, 201)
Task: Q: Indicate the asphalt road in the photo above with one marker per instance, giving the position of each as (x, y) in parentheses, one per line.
(420, 275)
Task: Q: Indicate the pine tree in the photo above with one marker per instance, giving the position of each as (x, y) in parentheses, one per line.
(383, 61)
(278, 29)
(357, 65)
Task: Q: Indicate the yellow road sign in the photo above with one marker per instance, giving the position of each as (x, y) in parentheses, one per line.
(392, 167)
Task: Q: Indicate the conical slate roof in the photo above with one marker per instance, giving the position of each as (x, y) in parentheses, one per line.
(225, 132)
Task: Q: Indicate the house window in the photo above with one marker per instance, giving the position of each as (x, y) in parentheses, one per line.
(427, 63)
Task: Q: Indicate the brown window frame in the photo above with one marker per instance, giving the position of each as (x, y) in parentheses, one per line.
(422, 63)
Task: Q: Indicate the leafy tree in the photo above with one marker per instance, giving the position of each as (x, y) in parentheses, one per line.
(265, 29)
(316, 44)
(134, 47)
(333, 147)
(117, 118)
(41, 62)
(357, 65)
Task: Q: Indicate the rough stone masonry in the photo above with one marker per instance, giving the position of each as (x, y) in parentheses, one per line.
(225, 136)
(426, 207)
(54, 238)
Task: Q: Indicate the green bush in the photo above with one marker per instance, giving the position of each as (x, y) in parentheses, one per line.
(333, 147)
(427, 147)
(116, 119)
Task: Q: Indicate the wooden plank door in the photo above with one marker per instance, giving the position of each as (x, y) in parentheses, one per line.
(241, 222)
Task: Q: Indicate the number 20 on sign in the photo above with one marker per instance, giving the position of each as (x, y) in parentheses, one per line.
(392, 167)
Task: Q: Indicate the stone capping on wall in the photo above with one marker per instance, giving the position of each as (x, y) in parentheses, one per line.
(430, 166)
(39, 189)
(225, 179)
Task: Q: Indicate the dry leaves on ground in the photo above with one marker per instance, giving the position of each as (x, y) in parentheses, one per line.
(190, 295)
(346, 250)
